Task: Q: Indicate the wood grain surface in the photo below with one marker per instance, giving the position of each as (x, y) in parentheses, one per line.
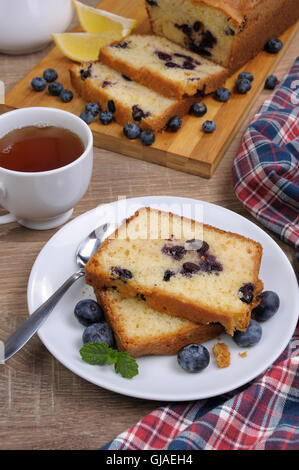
(43, 405)
(203, 152)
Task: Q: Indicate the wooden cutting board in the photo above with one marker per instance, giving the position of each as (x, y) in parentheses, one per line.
(189, 150)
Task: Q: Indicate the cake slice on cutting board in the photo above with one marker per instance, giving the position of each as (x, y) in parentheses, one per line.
(132, 101)
(163, 66)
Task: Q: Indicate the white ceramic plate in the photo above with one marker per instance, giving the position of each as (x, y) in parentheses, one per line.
(161, 378)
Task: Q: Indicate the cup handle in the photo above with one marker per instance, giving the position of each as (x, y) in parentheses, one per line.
(7, 218)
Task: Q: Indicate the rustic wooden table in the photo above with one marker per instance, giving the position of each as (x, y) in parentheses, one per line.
(43, 405)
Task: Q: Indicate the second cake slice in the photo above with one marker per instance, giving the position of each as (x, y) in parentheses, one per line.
(164, 66)
(142, 331)
(133, 102)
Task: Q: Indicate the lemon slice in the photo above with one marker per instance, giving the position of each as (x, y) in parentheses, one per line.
(94, 20)
(82, 47)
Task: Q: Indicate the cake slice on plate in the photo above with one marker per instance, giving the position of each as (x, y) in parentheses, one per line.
(182, 268)
(142, 331)
(163, 66)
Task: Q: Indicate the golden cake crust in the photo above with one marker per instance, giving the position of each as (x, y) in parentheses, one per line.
(236, 9)
(161, 301)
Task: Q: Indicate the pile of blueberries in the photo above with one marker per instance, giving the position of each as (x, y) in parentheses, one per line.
(196, 357)
(55, 88)
(91, 316)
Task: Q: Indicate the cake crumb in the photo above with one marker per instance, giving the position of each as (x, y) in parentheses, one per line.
(243, 354)
(221, 354)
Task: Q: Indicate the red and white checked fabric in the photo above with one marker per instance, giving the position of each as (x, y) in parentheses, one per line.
(266, 168)
(262, 415)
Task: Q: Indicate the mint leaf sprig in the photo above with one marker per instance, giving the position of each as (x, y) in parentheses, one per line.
(101, 353)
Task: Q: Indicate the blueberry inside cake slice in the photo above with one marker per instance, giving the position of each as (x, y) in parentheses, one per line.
(182, 268)
(132, 102)
(141, 331)
(163, 66)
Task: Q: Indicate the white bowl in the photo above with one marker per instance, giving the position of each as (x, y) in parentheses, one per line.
(26, 25)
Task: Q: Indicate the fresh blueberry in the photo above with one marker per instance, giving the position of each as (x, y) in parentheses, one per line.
(106, 117)
(209, 126)
(222, 94)
(198, 109)
(55, 88)
(50, 75)
(249, 76)
(271, 82)
(267, 307)
(87, 116)
(174, 124)
(250, 337)
(38, 84)
(243, 85)
(93, 108)
(193, 357)
(273, 46)
(131, 131)
(88, 312)
(147, 137)
(98, 333)
(66, 96)
(111, 106)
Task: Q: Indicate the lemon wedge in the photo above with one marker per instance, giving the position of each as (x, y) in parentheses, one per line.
(82, 47)
(94, 20)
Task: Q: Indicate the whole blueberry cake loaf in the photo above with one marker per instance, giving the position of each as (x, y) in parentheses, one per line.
(229, 32)
(181, 267)
(132, 102)
(142, 331)
(163, 66)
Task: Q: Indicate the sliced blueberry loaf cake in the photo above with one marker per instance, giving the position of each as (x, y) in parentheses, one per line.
(182, 268)
(142, 331)
(229, 32)
(163, 66)
(132, 101)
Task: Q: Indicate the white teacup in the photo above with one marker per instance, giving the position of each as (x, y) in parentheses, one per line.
(26, 25)
(45, 200)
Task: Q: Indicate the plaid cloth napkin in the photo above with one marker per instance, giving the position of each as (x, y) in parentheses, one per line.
(266, 168)
(262, 415)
